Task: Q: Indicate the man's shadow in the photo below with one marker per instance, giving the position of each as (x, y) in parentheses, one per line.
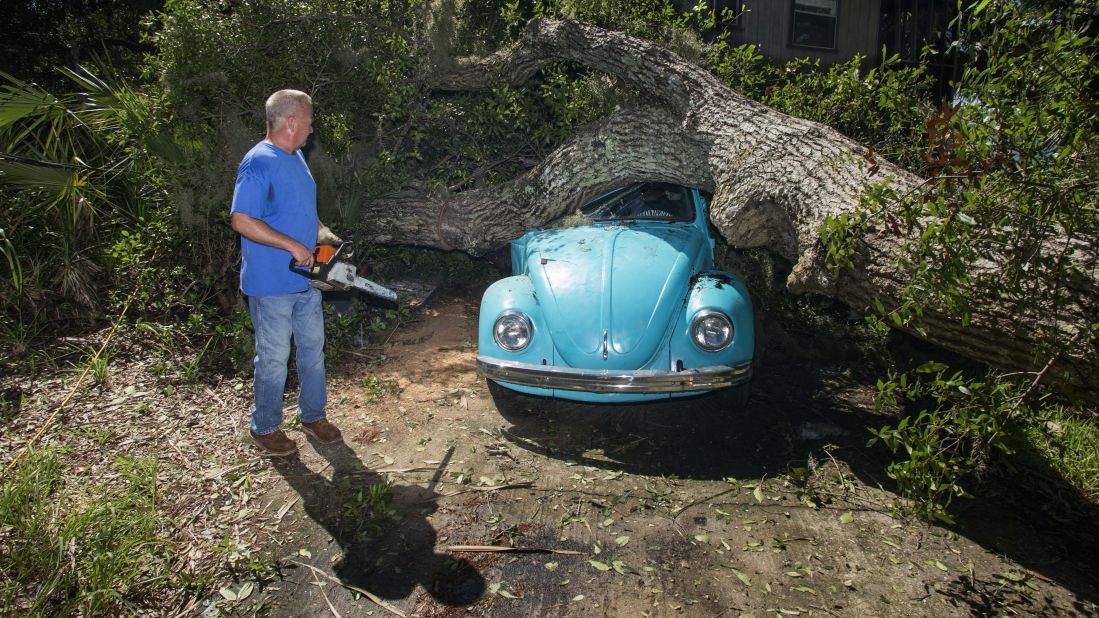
(388, 545)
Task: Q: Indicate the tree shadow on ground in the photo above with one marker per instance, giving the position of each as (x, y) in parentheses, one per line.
(800, 410)
(1032, 515)
(703, 437)
(387, 543)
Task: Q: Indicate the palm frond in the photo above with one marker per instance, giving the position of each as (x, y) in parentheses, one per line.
(37, 175)
(20, 100)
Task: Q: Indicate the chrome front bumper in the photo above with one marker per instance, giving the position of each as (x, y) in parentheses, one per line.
(614, 380)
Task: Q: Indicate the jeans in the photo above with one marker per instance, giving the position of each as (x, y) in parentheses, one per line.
(275, 319)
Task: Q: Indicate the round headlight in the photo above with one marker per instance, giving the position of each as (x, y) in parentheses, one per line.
(512, 331)
(711, 330)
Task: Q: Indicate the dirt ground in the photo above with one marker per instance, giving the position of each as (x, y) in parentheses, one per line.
(682, 508)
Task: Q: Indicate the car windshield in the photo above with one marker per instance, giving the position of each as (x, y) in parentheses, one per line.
(658, 201)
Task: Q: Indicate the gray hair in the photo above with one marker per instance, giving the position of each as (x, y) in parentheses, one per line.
(283, 104)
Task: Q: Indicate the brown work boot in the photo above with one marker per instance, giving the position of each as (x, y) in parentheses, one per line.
(276, 443)
(322, 431)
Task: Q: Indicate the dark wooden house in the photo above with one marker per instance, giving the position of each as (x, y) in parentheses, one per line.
(835, 30)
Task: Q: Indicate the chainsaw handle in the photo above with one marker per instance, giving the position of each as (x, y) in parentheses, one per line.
(319, 270)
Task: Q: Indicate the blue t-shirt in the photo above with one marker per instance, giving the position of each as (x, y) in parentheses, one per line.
(276, 188)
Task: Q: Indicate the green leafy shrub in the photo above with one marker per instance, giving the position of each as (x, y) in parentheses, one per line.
(363, 511)
(77, 170)
(950, 440)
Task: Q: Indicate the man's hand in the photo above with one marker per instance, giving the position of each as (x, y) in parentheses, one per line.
(326, 237)
(302, 255)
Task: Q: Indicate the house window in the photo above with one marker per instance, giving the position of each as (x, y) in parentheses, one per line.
(814, 23)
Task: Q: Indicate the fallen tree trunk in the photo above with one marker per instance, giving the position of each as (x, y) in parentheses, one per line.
(775, 180)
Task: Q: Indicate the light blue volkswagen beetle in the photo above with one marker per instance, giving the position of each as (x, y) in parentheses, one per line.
(625, 307)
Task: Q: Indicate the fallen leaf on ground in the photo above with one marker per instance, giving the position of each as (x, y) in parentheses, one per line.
(741, 575)
(622, 569)
(937, 564)
(599, 565)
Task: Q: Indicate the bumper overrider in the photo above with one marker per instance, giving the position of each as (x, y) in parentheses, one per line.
(614, 380)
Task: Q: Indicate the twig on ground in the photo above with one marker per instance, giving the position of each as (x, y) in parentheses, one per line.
(679, 511)
(523, 485)
(324, 594)
(380, 603)
(516, 550)
(286, 508)
(216, 474)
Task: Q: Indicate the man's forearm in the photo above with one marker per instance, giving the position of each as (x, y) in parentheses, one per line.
(257, 231)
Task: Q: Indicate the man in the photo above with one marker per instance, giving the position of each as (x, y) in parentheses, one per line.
(275, 211)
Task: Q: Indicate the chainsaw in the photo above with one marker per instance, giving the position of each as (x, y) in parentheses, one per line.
(332, 270)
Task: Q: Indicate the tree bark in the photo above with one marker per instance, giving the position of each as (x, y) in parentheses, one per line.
(775, 179)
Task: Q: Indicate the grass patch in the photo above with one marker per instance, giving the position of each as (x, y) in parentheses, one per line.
(88, 550)
(1069, 443)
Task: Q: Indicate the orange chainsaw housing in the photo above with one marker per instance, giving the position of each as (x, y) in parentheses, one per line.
(324, 253)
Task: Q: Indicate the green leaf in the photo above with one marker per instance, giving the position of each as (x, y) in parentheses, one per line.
(622, 569)
(743, 577)
(937, 564)
(757, 493)
(599, 565)
(847, 518)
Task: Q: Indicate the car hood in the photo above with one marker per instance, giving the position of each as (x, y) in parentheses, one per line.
(624, 283)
